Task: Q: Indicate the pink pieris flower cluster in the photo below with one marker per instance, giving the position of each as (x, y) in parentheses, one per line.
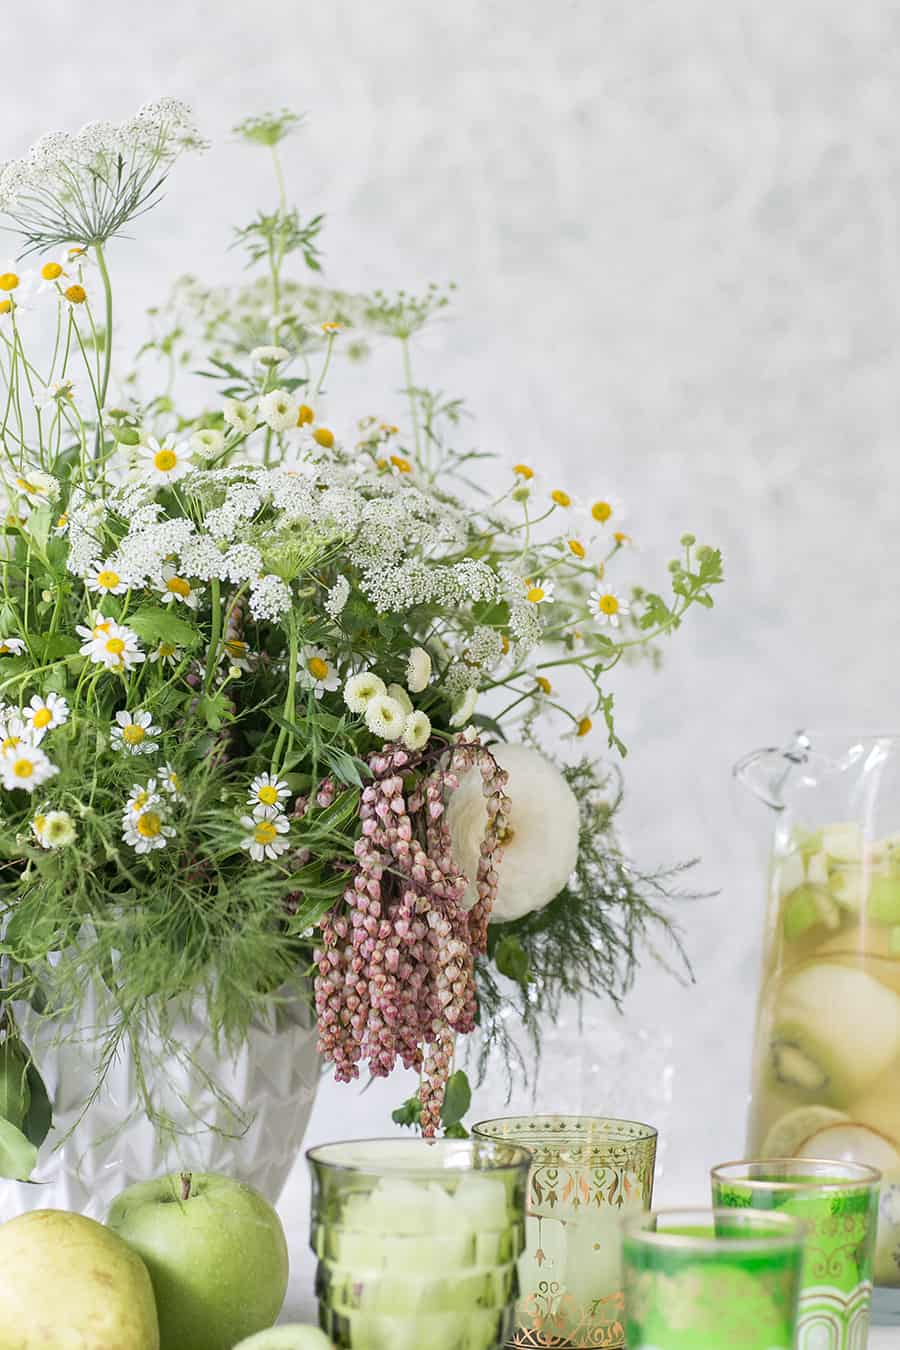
(396, 968)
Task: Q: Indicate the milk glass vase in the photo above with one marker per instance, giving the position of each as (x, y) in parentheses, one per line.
(417, 1242)
(826, 1071)
(586, 1173)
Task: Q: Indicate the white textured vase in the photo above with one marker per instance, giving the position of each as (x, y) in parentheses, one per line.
(90, 1156)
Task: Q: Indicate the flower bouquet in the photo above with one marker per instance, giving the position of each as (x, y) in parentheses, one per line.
(271, 677)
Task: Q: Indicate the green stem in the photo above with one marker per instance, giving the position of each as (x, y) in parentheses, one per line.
(328, 352)
(215, 635)
(411, 395)
(289, 710)
(108, 319)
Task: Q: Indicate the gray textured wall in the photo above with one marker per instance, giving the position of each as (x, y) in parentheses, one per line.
(674, 226)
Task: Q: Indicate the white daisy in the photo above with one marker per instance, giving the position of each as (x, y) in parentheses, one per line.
(164, 463)
(207, 442)
(236, 652)
(418, 670)
(239, 416)
(141, 798)
(44, 714)
(177, 590)
(53, 829)
(146, 830)
(134, 733)
(316, 671)
(539, 592)
(39, 488)
(13, 733)
(269, 792)
(417, 731)
(609, 607)
(361, 689)
(171, 783)
(385, 717)
(13, 279)
(279, 410)
(12, 646)
(602, 512)
(25, 766)
(167, 653)
(562, 499)
(103, 578)
(270, 356)
(265, 836)
(116, 648)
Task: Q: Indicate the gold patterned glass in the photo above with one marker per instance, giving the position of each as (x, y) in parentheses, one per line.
(586, 1173)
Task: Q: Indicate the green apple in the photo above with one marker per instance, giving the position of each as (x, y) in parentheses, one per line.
(216, 1254)
(293, 1337)
(68, 1283)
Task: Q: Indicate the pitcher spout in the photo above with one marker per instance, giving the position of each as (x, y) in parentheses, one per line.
(766, 772)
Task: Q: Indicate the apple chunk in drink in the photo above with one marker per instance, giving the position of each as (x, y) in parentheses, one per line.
(827, 1066)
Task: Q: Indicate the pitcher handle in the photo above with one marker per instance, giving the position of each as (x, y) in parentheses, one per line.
(766, 772)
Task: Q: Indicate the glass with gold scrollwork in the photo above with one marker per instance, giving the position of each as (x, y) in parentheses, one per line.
(726, 1279)
(586, 1173)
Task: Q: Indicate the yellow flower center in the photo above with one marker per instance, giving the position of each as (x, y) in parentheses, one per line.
(561, 498)
(331, 327)
(115, 646)
(101, 627)
(576, 547)
(265, 832)
(523, 471)
(178, 586)
(584, 726)
(504, 643)
(50, 271)
(544, 684)
(75, 294)
(165, 460)
(324, 437)
(601, 511)
(11, 742)
(167, 649)
(622, 538)
(608, 604)
(39, 823)
(235, 647)
(26, 486)
(401, 464)
(5, 306)
(8, 281)
(42, 718)
(535, 594)
(268, 795)
(317, 668)
(133, 734)
(174, 781)
(108, 579)
(23, 768)
(62, 521)
(305, 415)
(149, 824)
(140, 801)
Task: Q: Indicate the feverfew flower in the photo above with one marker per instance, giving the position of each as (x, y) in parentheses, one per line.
(13, 732)
(539, 592)
(38, 487)
(140, 798)
(239, 416)
(608, 607)
(167, 653)
(43, 715)
(603, 511)
(416, 731)
(12, 646)
(208, 443)
(316, 671)
(418, 670)
(25, 766)
(134, 733)
(270, 356)
(146, 830)
(385, 717)
(103, 578)
(269, 792)
(170, 783)
(177, 590)
(464, 709)
(116, 648)
(265, 837)
(53, 829)
(361, 689)
(166, 463)
(279, 410)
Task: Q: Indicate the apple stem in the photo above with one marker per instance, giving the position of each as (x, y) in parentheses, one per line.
(185, 1185)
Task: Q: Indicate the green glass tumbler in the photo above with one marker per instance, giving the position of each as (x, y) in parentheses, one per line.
(712, 1280)
(417, 1242)
(586, 1173)
(838, 1202)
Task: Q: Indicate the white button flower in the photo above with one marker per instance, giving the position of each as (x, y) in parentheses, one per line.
(609, 607)
(385, 717)
(208, 442)
(269, 792)
(418, 670)
(464, 708)
(279, 410)
(25, 766)
(270, 356)
(165, 463)
(53, 829)
(44, 714)
(316, 671)
(265, 836)
(146, 830)
(361, 689)
(417, 731)
(399, 693)
(134, 733)
(103, 578)
(239, 416)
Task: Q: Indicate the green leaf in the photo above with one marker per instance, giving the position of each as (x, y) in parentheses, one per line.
(511, 959)
(457, 1099)
(214, 708)
(18, 1156)
(345, 767)
(153, 623)
(409, 1114)
(15, 1094)
(39, 1116)
(53, 648)
(456, 1131)
(39, 527)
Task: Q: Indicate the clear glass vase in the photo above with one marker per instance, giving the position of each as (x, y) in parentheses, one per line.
(417, 1242)
(826, 1068)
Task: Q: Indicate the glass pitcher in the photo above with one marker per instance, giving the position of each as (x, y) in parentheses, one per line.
(826, 1068)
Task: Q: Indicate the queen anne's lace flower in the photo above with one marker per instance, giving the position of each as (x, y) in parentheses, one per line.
(337, 598)
(270, 599)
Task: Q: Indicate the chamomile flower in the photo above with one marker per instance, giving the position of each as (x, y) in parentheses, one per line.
(170, 782)
(278, 410)
(361, 689)
(265, 836)
(167, 654)
(39, 488)
(561, 498)
(239, 416)
(417, 731)
(146, 830)
(53, 829)
(105, 579)
(602, 512)
(177, 590)
(25, 766)
(316, 671)
(13, 733)
(539, 592)
(140, 798)
(12, 646)
(208, 442)
(54, 269)
(100, 626)
(418, 670)
(464, 708)
(573, 547)
(269, 792)
(385, 717)
(13, 278)
(164, 463)
(44, 714)
(236, 652)
(117, 648)
(134, 733)
(270, 356)
(609, 607)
